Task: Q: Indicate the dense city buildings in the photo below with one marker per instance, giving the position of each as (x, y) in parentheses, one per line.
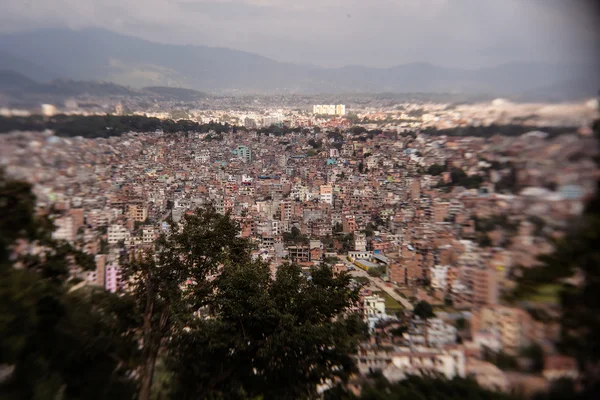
(414, 213)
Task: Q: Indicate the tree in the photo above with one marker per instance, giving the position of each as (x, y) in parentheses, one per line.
(415, 387)
(436, 169)
(535, 354)
(423, 310)
(576, 254)
(361, 167)
(484, 240)
(268, 338)
(170, 285)
(377, 272)
(60, 342)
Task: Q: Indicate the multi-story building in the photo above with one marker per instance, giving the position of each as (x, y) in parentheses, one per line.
(113, 278)
(515, 325)
(148, 234)
(244, 153)
(329, 109)
(65, 229)
(116, 233)
(418, 361)
(360, 242)
(299, 253)
(326, 194)
(137, 212)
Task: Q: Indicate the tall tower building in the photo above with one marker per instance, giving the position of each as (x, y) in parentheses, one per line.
(244, 153)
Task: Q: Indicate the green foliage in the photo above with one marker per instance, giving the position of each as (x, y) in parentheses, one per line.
(420, 388)
(539, 224)
(436, 169)
(501, 359)
(315, 144)
(577, 253)
(535, 354)
(423, 310)
(483, 240)
(107, 125)
(170, 285)
(273, 338)
(460, 178)
(496, 221)
(377, 272)
(399, 331)
(491, 130)
(60, 343)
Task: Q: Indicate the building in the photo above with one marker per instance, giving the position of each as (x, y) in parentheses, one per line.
(113, 278)
(514, 325)
(137, 212)
(100, 269)
(244, 154)
(360, 242)
(299, 253)
(48, 110)
(250, 123)
(148, 234)
(116, 233)
(329, 109)
(65, 229)
(373, 307)
(417, 361)
(326, 194)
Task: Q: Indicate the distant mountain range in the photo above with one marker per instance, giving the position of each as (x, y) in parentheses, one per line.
(101, 55)
(19, 86)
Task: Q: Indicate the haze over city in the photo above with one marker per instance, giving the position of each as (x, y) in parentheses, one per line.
(335, 33)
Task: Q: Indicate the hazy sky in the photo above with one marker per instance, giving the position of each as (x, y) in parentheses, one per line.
(383, 33)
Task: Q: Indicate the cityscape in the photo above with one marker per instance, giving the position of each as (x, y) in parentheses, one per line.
(159, 242)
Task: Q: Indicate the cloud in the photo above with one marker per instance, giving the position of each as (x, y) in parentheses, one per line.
(377, 33)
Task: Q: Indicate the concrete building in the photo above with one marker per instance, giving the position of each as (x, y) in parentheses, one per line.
(65, 229)
(116, 233)
(514, 325)
(244, 154)
(113, 278)
(417, 361)
(360, 242)
(137, 212)
(326, 194)
(329, 109)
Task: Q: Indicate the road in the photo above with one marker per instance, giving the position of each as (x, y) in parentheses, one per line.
(378, 283)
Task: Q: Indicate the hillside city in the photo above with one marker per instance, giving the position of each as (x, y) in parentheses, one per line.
(436, 227)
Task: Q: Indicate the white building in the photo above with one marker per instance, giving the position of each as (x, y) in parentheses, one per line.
(326, 194)
(439, 275)
(65, 229)
(416, 361)
(374, 306)
(204, 156)
(360, 242)
(148, 234)
(329, 109)
(439, 333)
(116, 233)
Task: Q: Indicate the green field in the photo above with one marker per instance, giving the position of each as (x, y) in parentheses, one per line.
(391, 305)
(548, 294)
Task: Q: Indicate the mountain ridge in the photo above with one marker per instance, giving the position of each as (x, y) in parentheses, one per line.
(98, 54)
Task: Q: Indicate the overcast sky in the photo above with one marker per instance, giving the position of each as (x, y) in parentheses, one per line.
(466, 33)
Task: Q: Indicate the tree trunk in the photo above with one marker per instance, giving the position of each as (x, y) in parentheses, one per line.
(150, 346)
(148, 372)
(152, 342)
